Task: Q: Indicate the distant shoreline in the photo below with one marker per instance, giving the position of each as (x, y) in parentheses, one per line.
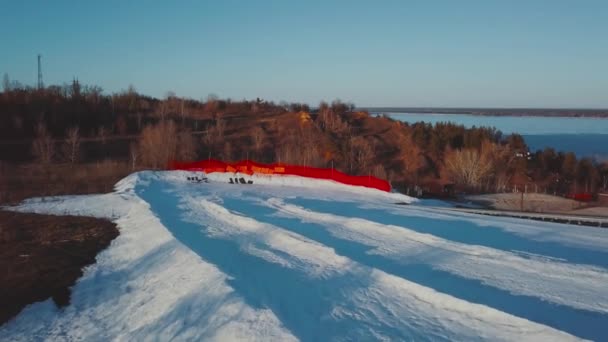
(543, 112)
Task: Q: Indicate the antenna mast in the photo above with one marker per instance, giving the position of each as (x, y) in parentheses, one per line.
(40, 85)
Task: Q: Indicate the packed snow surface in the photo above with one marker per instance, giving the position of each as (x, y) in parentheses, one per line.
(288, 258)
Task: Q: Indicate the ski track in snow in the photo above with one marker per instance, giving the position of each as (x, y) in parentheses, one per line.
(386, 303)
(573, 285)
(185, 267)
(596, 239)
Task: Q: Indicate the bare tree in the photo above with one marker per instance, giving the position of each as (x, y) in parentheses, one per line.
(162, 143)
(211, 104)
(162, 110)
(133, 155)
(258, 136)
(410, 154)
(227, 151)
(139, 118)
(604, 174)
(186, 145)
(158, 144)
(286, 153)
(210, 136)
(329, 118)
(43, 146)
(122, 127)
(501, 181)
(307, 146)
(6, 83)
(94, 93)
(469, 166)
(71, 145)
(3, 182)
(380, 172)
(102, 134)
(363, 154)
(220, 126)
(182, 113)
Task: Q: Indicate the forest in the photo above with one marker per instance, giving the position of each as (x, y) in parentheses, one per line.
(75, 138)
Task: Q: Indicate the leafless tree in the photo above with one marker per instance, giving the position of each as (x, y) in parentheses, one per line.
(307, 146)
(71, 145)
(139, 116)
(363, 154)
(209, 136)
(158, 144)
(501, 181)
(133, 155)
(122, 127)
(182, 112)
(162, 109)
(605, 181)
(220, 126)
(227, 151)
(410, 154)
(329, 118)
(380, 172)
(43, 146)
(186, 146)
(258, 136)
(6, 83)
(287, 153)
(212, 103)
(94, 93)
(161, 143)
(102, 134)
(469, 166)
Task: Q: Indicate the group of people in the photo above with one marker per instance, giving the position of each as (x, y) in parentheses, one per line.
(240, 180)
(198, 180)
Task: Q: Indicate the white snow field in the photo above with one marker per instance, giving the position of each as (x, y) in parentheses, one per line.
(289, 258)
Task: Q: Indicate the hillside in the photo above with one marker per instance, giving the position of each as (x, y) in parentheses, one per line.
(76, 139)
(219, 261)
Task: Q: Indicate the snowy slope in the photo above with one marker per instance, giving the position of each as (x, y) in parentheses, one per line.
(289, 258)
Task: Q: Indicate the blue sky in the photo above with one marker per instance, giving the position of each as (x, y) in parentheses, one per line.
(374, 53)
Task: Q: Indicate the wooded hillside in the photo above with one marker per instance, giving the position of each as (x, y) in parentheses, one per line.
(75, 138)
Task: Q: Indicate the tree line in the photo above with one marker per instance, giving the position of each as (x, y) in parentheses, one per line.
(75, 124)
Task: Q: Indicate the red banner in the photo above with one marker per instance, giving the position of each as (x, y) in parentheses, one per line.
(250, 167)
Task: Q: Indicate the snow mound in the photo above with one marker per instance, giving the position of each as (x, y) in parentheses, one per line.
(290, 258)
(295, 181)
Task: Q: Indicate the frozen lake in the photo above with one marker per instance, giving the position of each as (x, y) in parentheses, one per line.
(583, 136)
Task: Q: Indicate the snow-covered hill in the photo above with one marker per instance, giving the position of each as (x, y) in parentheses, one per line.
(299, 259)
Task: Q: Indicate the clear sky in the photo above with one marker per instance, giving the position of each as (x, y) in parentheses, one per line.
(511, 53)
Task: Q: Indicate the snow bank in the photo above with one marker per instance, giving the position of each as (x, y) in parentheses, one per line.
(310, 183)
(109, 206)
(145, 285)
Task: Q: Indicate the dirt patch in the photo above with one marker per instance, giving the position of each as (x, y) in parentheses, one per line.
(42, 256)
(21, 181)
(537, 203)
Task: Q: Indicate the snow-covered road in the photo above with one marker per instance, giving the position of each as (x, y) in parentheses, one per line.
(307, 260)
